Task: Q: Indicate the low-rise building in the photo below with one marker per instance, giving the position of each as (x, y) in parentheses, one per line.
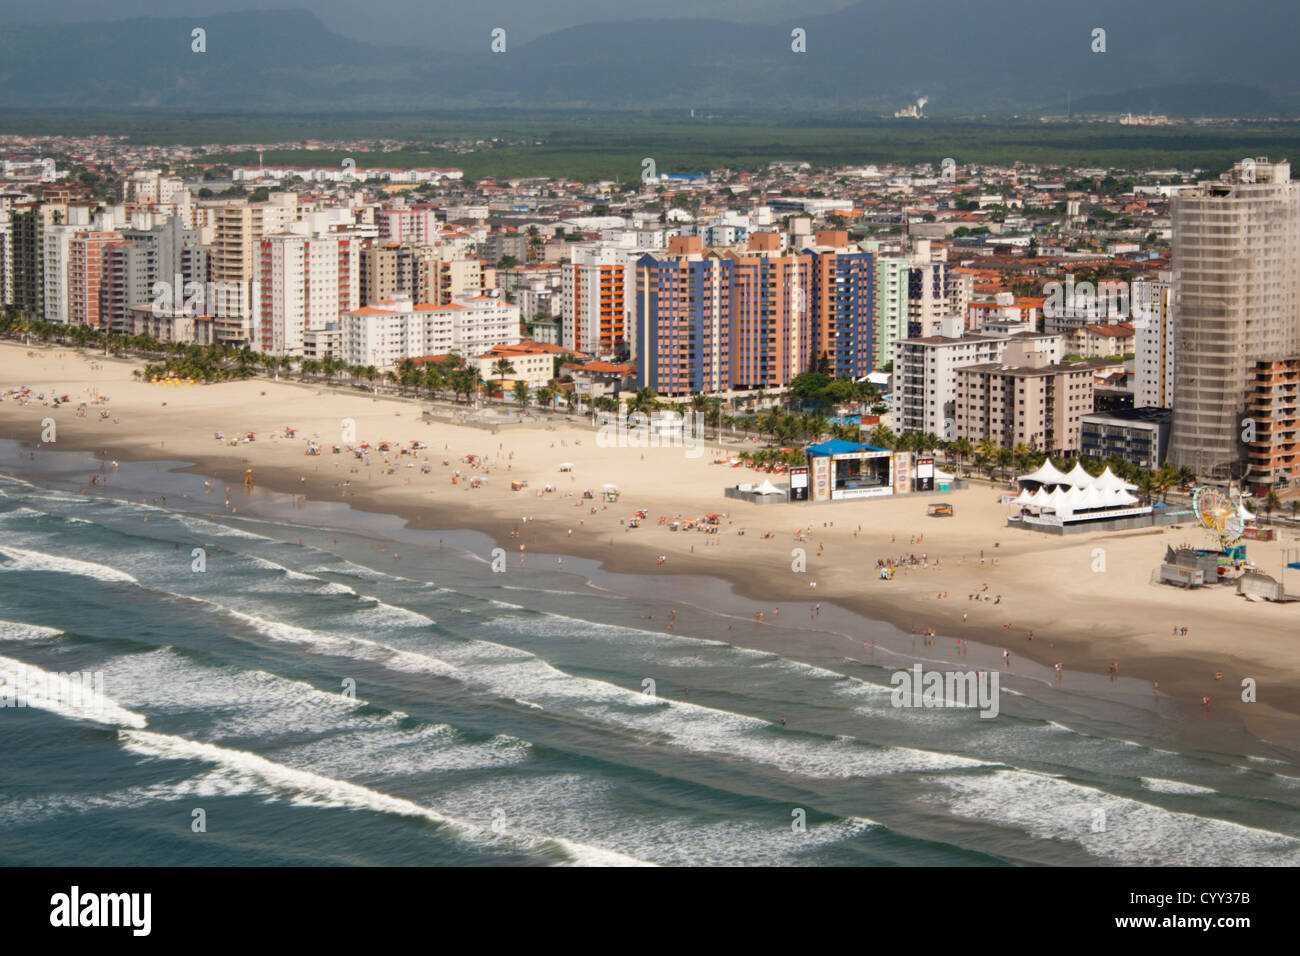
(1101, 341)
(1138, 435)
(385, 333)
(533, 362)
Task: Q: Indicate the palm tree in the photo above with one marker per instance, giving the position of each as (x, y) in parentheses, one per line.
(1004, 458)
(1146, 485)
(986, 453)
(882, 437)
(644, 401)
(1021, 455)
(1166, 476)
(521, 392)
(1271, 503)
(501, 368)
(963, 448)
(434, 378)
(817, 426)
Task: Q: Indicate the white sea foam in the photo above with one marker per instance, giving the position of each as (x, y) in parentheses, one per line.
(57, 694)
(332, 587)
(307, 788)
(593, 810)
(289, 573)
(21, 559)
(394, 751)
(1161, 785)
(385, 616)
(207, 528)
(234, 703)
(342, 646)
(18, 631)
(522, 676)
(1132, 832)
(260, 705)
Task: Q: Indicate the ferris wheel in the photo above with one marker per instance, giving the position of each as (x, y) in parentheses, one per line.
(1218, 514)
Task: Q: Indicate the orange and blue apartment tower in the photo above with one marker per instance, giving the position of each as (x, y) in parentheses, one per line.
(684, 308)
(713, 323)
(843, 306)
(771, 308)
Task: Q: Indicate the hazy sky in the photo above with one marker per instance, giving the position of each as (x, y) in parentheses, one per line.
(439, 24)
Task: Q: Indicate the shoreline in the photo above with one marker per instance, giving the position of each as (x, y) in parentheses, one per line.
(1181, 667)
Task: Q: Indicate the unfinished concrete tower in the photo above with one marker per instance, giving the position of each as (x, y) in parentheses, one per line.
(1236, 265)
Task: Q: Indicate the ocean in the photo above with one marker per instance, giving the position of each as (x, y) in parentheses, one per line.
(307, 699)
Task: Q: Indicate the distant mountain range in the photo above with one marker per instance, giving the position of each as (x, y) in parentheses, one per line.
(1230, 57)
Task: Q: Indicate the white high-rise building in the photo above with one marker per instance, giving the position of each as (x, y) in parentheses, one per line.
(303, 283)
(6, 255)
(54, 271)
(925, 373)
(929, 293)
(1153, 326)
(385, 333)
(598, 292)
(892, 275)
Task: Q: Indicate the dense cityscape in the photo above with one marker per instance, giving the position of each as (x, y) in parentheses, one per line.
(951, 289)
(518, 435)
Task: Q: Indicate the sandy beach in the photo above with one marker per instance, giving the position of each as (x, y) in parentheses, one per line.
(1085, 609)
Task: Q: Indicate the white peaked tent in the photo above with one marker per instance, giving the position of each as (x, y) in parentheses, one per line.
(1059, 502)
(1124, 498)
(767, 488)
(1040, 498)
(1241, 510)
(1024, 498)
(1079, 478)
(1091, 497)
(1109, 481)
(1047, 474)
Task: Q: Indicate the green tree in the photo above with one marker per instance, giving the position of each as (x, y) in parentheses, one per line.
(501, 368)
